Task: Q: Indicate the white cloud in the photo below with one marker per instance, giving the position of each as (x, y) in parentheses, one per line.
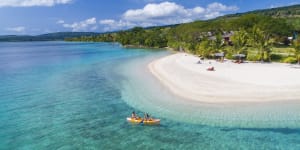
(16, 29)
(111, 25)
(155, 12)
(107, 21)
(218, 7)
(60, 22)
(86, 25)
(30, 3)
(165, 13)
(175, 13)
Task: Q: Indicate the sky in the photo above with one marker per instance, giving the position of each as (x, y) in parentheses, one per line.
(33, 17)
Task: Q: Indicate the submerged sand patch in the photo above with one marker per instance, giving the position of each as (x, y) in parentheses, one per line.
(143, 91)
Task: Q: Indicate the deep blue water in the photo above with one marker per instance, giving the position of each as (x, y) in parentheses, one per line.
(60, 95)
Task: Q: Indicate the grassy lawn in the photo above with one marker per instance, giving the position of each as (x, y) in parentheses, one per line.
(287, 51)
(278, 54)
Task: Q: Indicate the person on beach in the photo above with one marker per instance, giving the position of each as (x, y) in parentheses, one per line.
(211, 68)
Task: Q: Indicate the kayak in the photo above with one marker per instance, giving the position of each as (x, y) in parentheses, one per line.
(146, 122)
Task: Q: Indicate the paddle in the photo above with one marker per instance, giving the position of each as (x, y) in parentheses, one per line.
(142, 121)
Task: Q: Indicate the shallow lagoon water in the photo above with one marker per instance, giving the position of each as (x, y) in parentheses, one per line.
(60, 95)
(154, 97)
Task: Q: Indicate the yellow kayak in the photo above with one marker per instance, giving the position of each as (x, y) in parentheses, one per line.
(141, 120)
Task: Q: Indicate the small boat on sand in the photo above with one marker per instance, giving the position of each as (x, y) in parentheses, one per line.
(143, 121)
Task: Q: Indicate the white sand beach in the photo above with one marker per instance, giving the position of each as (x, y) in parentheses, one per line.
(230, 82)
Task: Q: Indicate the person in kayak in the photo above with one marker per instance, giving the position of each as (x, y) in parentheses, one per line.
(133, 115)
(147, 117)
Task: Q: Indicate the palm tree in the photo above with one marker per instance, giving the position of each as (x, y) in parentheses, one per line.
(261, 40)
(204, 48)
(268, 47)
(296, 45)
(218, 42)
(240, 40)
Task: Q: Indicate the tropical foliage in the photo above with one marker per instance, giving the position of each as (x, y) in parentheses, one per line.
(296, 45)
(240, 40)
(57, 36)
(257, 34)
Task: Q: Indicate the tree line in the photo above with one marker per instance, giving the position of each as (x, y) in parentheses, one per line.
(253, 35)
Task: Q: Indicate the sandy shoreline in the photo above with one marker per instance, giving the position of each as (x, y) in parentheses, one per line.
(230, 82)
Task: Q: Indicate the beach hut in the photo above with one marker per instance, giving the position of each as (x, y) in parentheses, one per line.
(226, 37)
(219, 56)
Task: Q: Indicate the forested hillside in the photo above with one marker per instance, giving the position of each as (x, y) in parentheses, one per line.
(280, 12)
(45, 37)
(255, 34)
(290, 13)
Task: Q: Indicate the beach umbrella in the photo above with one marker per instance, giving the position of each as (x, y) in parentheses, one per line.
(239, 55)
(219, 54)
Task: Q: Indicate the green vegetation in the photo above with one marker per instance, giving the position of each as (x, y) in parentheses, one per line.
(290, 60)
(296, 45)
(139, 37)
(260, 35)
(282, 12)
(58, 36)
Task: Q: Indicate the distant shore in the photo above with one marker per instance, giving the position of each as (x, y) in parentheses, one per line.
(146, 47)
(230, 82)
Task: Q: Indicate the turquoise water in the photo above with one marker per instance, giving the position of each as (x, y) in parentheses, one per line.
(60, 95)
